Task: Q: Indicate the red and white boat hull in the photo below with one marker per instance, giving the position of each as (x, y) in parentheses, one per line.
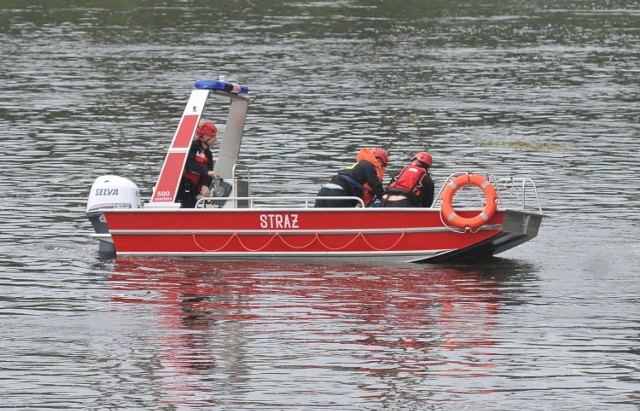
(403, 235)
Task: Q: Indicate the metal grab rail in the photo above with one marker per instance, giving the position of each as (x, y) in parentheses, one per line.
(302, 200)
(516, 187)
(520, 191)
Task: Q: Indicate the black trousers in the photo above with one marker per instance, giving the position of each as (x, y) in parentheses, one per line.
(399, 203)
(333, 192)
(187, 195)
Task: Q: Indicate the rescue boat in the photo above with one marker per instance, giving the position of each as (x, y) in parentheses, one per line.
(475, 215)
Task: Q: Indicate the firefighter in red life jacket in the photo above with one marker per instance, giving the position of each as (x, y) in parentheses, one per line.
(411, 187)
(198, 172)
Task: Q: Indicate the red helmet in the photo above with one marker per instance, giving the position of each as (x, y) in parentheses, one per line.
(206, 127)
(423, 157)
(381, 153)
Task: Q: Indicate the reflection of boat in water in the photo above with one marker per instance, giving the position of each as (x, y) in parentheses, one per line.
(242, 226)
(378, 321)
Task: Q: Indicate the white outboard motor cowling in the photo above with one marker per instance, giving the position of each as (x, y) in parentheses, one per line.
(109, 192)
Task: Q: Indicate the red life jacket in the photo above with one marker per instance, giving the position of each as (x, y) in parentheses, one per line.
(408, 183)
(201, 158)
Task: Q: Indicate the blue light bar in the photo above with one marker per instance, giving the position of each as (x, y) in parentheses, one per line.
(222, 86)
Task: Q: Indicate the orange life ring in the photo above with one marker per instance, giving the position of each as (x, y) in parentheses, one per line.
(490, 194)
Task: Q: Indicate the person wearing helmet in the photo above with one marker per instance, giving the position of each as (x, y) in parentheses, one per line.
(412, 186)
(198, 172)
(362, 179)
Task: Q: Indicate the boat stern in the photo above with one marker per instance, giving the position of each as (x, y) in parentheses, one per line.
(109, 192)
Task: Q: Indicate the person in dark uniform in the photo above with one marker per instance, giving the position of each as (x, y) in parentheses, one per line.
(198, 172)
(362, 179)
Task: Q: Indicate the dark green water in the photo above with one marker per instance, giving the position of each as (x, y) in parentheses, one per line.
(542, 89)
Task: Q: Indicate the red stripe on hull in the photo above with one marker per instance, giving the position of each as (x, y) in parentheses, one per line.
(292, 244)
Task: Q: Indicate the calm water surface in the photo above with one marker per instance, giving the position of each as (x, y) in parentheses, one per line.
(543, 89)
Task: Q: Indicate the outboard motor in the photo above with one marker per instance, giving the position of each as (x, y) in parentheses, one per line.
(109, 192)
